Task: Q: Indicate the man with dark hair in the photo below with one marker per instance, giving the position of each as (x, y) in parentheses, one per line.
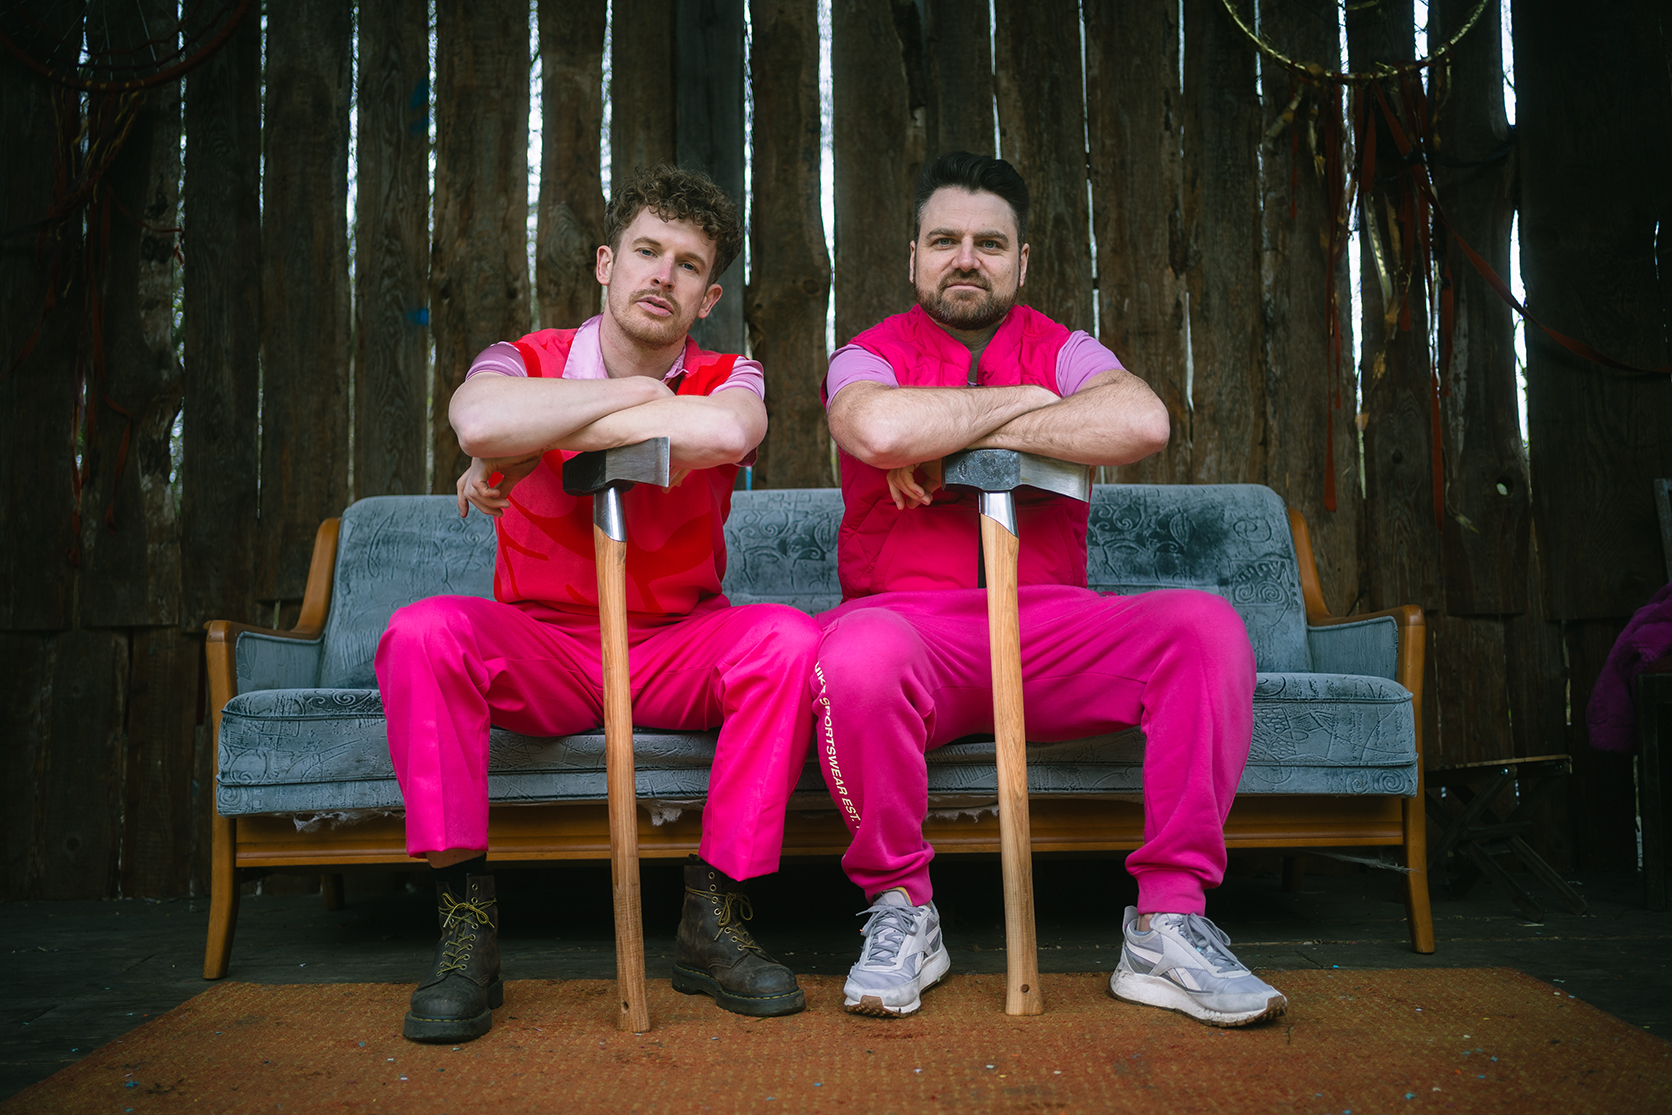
(528, 660)
(903, 665)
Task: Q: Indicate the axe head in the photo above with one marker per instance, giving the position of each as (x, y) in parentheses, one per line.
(1004, 470)
(645, 462)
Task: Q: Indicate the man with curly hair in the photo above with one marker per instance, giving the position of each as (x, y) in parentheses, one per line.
(528, 660)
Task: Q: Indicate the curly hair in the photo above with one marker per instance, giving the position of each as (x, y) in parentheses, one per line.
(676, 194)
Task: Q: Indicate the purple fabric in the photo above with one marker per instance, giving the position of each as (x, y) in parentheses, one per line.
(1610, 716)
(1080, 358)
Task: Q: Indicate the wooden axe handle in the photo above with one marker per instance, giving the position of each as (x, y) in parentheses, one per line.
(634, 1011)
(1021, 984)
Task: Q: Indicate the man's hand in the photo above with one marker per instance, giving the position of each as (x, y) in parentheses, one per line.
(486, 485)
(904, 487)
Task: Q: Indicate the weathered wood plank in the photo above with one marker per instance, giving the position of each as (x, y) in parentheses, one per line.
(1488, 506)
(1042, 125)
(790, 281)
(571, 221)
(1602, 793)
(1229, 440)
(79, 793)
(36, 457)
(478, 261)
(1132, 105)
(709, 135)
(391, 245)
(164, 802)
(643, 98)
(222, 295)
(25, 714)
(1402, 540)
(130, 532)
(1593, 192)
(958, 72)
(1309, 412)
(1473, 698)
(1537, 683)
(304, 297)
(879, 152)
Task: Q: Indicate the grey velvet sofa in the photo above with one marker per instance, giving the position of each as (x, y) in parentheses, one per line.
(303, 776)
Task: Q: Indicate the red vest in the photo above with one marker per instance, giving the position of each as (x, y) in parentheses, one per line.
(883, 549)
(676, 540)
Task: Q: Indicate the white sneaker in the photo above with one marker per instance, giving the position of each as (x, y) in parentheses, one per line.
(903, 955)
(1184, 963)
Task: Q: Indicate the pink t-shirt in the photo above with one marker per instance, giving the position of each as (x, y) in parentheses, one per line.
(586, 361)
(1080, 358)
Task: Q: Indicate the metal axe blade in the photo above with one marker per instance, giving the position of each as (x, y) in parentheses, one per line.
(1003, 470)
(644, 462)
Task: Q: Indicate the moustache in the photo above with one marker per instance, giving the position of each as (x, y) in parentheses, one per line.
(647, 295)
(971, 279)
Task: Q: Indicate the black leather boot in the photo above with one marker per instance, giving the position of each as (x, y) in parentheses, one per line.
(716, 956)
(456, 1000)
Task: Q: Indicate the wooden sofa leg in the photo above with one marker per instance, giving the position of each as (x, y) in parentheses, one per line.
(1417, 911)
(331, 889)
(1294, 873)
(223, 897)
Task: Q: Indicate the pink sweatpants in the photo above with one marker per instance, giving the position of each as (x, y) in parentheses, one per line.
(901, 673)
(449, 666)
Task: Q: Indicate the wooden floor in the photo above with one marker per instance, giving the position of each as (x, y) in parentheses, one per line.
(84, 973)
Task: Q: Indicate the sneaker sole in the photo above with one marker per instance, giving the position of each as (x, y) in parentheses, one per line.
(690, 981)
(872, 1006)
(440, 1030)
(1153, 991)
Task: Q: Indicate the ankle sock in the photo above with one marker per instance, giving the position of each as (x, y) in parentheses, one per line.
(453, 878)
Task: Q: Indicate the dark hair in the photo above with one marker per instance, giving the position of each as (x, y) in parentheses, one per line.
(976, 174)
(676, 194)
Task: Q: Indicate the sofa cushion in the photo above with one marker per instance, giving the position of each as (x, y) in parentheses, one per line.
(325, 750)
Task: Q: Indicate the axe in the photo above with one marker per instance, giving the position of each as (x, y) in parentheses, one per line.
(996, 474)
(604, 475)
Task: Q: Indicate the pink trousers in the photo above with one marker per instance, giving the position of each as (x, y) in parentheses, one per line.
(901, 673)
(449, 666)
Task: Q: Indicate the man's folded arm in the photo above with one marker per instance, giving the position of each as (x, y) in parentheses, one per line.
(498, 416)
(891, 427)
(703, 430)
(1115, 419)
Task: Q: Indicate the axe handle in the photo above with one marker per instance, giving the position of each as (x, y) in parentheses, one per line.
(634, 1012)
(1021, 984)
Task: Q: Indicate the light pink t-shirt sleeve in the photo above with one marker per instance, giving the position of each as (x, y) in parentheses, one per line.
(502, 358)
(746, 374)
(853, 363)
(1080, 358)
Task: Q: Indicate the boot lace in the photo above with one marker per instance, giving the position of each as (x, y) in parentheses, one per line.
(731, 910)
(460, 922)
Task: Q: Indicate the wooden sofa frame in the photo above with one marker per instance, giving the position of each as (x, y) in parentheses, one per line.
(562, 831)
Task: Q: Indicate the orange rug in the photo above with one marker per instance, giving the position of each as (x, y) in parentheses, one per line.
(1470, 1040)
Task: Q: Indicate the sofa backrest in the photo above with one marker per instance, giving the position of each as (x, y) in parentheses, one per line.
(1229, 539)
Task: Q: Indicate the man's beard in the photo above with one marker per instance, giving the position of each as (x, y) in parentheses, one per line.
(979, 312)
(655, 332)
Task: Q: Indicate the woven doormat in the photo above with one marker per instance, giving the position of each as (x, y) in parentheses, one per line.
(1459, 1040)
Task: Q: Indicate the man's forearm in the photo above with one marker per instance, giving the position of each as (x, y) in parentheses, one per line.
(500, 416)
(1116, 420)
(703, 431)
(890, 427)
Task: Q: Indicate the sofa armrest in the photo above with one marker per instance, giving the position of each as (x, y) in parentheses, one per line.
(222, 645)
(264, 660)
(1366, 647)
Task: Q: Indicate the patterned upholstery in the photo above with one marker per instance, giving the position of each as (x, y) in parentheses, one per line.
(305, 735)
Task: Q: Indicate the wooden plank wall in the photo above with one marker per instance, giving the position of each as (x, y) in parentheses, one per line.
(1175, 211)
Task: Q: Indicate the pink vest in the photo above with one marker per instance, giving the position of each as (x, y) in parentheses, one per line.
(883, 549)
(676, 540)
